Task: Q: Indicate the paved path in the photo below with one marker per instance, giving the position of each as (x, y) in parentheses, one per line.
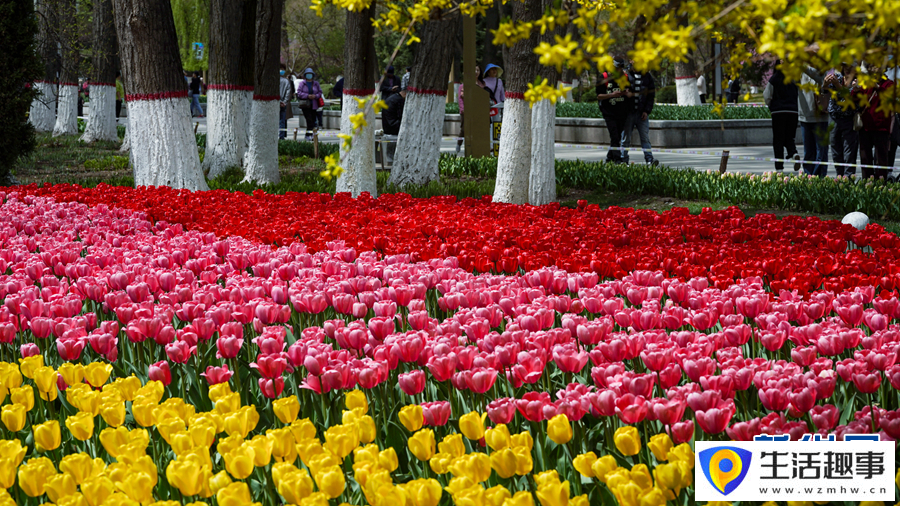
(598, 153)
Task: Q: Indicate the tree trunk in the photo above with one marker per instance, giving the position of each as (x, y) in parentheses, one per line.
(43, 107)
(419, 140)
(686, 82)
(514, 160)
(163, 146)
(542, 177)
(101, 123)
(228, 98)
(67, 109)
(492, 54)
(360, 67)
(262, 156)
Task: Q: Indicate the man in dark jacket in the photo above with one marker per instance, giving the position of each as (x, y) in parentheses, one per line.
(393, 115)
(642, 90)
(390, 84)
(781, 97)
(614, 106)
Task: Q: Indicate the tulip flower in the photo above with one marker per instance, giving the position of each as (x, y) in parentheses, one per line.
(47, 435)
(356, 399)
(504, 463)
(97, 373)
(330, 481)
(295, 486)
(23, 395)
(97, 490)
(472, 425)
(422, 444)
(498, 438)
(411, 417)
(13, 417)
(33, 476)
(559, 429)
(627, 440)
(286, 409)
(583, 464)
(412, 383)
(160, 372)
(660, 444)
(235, 494)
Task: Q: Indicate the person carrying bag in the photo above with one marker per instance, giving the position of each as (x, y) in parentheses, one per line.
(309, 95)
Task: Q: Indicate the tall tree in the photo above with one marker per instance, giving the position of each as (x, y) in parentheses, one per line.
(163, 146)
(514, 160)
(101, 122)
(360, 67)
(542, 175)
(19, 65)
(230, 90)
(43, 106)
(67, 107)
(262, 155)
(419, 140)
(686, 82)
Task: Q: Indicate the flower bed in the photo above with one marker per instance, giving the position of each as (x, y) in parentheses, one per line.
(332, 372)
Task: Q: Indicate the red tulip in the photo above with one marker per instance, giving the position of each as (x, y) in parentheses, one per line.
(216, 375)
(160, 372)
(631, 409)
(69, 349)
(271, 387)
(802, 399)
(668, 411)
(744, 431)
(179, 351)
(437, 413)
(502, 410)
(29, 350)
(774, 399)
(412, 383)
(867, 383)
(270, 366)
(714, 421)
(228, 346)
(479, 380)
(824, 417)
(682, 432)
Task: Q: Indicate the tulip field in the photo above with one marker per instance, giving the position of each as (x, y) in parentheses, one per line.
(167, 347)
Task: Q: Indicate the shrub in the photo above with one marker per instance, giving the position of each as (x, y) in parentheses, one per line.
(667, 95)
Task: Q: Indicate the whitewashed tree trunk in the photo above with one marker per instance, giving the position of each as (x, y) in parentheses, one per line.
(514, 160)
(227, 133)
(542, 179)
(359, 161)
(43, 108)
(126, 142)
(419, 140)
(686, 88)
(164, 150)
(67, 117)
(262, 155)
(101, 122)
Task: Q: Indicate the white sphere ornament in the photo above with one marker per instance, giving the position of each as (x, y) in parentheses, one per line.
(857, 220)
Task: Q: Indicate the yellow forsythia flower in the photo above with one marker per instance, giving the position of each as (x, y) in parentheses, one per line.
(559, 429)
(627, 440)
(422, 444)
(472, 425)
(47, 435)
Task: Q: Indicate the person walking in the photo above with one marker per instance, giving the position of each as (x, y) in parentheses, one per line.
(120, 93)
(493, 84)
(615, 107)
(875, 136)
(195, 95)
(782, 99)
(390, 84)
(642, 91)
(734, 90)
(309, 92)
(701, 88)
(391, 119)
(286, 94)
(843, 139)
(813, 115)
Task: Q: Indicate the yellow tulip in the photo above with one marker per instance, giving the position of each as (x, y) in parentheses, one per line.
(78, 465)
(286, 409)
(168, 426)
(13, 416)
(29, 365)
(471, 496)
(367, 430)
(387, 459)
(181, 443)
(242, 421)
(128, 387)
(303, 430)
(554, 494)
(579, 500)
(219, 390)
(453, 445)
(440, 463)
(186, 476)
(341, 439)
(8, 468)
(559, 429)
(640, 474)
(653, 497)
(524, 462)
(13, 450)
(497, 495)
(152, 390)
(203, 433)
(617, 478)
(219, 481)
(628, 494)
(23, 395)
(12, 378)
(472, 425)
(668, 477)
(627, 440)
(97, 490)
(520, 498)
(422, 443)
(33, 476)
(479, 466)
(660, 445)
(411, 417)
(683, 453)
(142, 410)
(46, 435)
(330, 481)
(113, 413)
(235, 494)
(504, 463)
(522, 439)
(45, 379)
(283, 446)
(602, 466)
(323, 460)
(295, 486)
(97, 373)
(583, 463)
(309, 448)
(424, 492)
(459, 484)
(280, 469)
(546, 478)
(59, 486)
(262, 450)
(356, 400)
(228, 403)
(226, 444)
(239, 462)
(498, 438)
(72, 374)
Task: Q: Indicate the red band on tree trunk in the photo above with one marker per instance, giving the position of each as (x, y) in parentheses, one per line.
(102, 84)
(229, 87)
(515, 94)
(442, 93)
(134, 97)
(685, 77)
(45, 82)
(68, 84)
(358, 93)
(266, 98)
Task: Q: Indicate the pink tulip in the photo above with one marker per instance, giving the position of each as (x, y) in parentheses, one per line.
(867, 383)
(270, 366)
(714, 421)
(502, 410)
(412, 383)
(744, 431)
(438, 413)
(682, 432)
(228, 346)
(180, 351)
(216, 375)
(271, 388)
(160, 372)
(631, 409)
(479, 380)
(29, 350)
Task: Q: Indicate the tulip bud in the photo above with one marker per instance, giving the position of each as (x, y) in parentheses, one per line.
(47, 435)
(422, 444)
(660, 445)
(286, 409)
(411, 417)
(13, 417)
(583, 463)
(627, 440)
(559, 429)
(472, 425)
